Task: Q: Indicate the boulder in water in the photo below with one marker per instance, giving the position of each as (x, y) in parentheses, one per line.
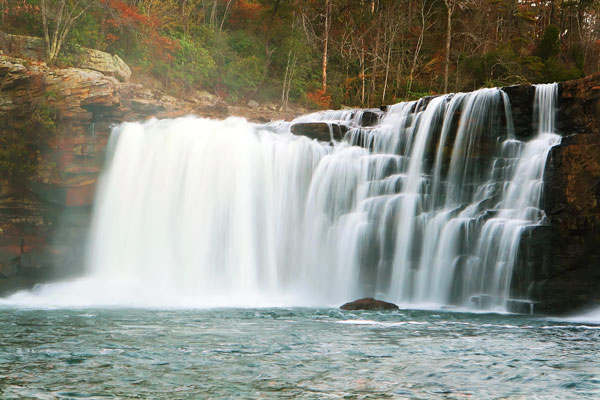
(368, 303)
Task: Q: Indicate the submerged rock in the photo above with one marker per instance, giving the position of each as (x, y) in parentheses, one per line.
(368, 303)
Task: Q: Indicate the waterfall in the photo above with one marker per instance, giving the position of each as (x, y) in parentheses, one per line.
(424, 208)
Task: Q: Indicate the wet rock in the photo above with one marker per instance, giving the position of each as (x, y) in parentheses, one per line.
(521, 104)
(253, 104)
(369, 118)
(368, 303)
(322, 131)
(522, 306)
(8, 266)
(566, 269)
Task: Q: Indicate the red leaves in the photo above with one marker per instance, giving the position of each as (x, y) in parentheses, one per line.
(125, 16)
(244, 12)
(320, 98)
(15, 8)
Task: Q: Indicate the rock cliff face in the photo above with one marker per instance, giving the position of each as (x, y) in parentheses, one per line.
(560, 270)
(44, 216)
(571, 279)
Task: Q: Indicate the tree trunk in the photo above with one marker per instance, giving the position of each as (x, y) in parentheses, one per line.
(449, 7)
(362, 75)
(325, 43)
(387, 72)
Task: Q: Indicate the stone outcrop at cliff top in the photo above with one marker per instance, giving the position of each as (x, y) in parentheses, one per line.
(34, 48)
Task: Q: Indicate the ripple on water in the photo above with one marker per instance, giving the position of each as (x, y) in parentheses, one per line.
(291, 353)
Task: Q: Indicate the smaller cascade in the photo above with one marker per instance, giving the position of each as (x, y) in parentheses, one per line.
(498, 246)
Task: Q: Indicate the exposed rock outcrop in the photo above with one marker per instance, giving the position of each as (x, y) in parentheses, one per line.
(33, 48)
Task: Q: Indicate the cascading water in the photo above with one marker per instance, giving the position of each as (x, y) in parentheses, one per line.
(425, 208)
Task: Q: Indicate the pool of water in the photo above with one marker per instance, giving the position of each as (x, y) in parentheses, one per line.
(293, 353)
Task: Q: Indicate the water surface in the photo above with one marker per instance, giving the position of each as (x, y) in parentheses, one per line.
(293, 353)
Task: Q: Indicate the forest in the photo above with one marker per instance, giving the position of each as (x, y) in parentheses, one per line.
(322, 53)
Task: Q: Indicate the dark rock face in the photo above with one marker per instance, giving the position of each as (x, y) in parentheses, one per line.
(559, 268)
(570, 277)
(368, 303)
(521, 105)
(369, 118)
(322, 131)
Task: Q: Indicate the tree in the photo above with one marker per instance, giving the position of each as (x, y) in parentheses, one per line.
(58, 17)
(326, 43)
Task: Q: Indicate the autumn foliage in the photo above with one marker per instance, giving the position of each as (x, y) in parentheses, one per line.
(17, 7)
(126, 19)
(244, 13)
(377, 52)
(319, 98)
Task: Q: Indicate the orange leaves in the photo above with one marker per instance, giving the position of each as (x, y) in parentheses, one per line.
(124, 16)
(245, 12)
(129, 15)
(319, 98)
(111, 38)
(18, 7)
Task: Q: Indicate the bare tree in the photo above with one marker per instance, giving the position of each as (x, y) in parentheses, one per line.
(58, 17)
(450, 10)
(424, 15)
(326, 42)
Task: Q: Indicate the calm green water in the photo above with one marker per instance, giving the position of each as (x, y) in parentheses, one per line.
(293, 353)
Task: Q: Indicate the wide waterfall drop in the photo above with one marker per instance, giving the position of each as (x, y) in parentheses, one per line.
(424, 207)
